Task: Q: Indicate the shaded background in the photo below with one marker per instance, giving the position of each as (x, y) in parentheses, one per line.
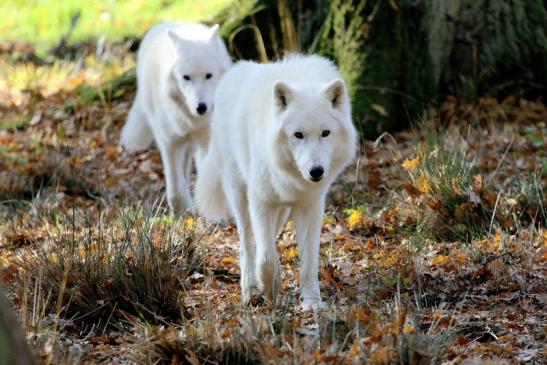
(398, 56)
(401, 56)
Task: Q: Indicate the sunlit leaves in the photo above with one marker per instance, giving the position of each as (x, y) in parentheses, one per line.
(412, 163)
(355, 219)
(228, 261)
(440, 260)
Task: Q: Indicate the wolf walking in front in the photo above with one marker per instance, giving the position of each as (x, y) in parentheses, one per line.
(281, 134)
(178, 68)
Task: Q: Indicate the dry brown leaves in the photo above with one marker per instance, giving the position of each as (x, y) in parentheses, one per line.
(486, 298)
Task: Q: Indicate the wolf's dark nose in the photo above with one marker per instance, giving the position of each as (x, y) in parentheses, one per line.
(316, 173)
(202, 108)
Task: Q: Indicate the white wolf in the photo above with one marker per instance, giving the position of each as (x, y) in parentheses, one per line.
(281, 133)
(178, 68)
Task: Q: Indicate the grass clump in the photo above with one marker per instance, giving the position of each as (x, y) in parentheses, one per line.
(334, 337)
(343, 39)
(161, 345)
(440, 199)
(447, 197)
(102, 275)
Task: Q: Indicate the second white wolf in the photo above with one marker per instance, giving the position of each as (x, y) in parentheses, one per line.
(178, 68)
(281, 134)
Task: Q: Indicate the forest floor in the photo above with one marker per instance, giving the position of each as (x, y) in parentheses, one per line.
(434, 243)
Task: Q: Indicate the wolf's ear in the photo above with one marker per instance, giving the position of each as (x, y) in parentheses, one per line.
(214, 37)
(177, 40)
(336, 93)
(214, 32)
(282, 95)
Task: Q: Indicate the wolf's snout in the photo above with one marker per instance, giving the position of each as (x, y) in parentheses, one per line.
(202, 108)
(316, 173)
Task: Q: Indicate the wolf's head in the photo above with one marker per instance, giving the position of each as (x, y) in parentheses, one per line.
(197, 69)
(315, 128)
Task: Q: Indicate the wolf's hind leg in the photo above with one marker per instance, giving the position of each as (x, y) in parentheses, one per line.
(175, 156)
(136, 135)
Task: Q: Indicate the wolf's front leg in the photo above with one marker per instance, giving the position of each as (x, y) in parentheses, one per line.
(184, 158)
(175, 157)
(263, 219)
(308, 219)
(237, 202)
(200, 140)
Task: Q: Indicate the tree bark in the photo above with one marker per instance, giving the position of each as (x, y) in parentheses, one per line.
(13, 346)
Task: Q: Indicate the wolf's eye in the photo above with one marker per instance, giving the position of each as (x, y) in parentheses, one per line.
(208, 76)
(186, 77)
(325, 133)
(299, 135)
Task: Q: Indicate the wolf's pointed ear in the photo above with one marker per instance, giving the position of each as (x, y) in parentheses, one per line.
(177, 40)
(336, 93)
(214, 32)
(214, 37)
(282, 95)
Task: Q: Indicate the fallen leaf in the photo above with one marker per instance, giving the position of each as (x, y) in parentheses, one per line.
(423, 184)
(440, 260)
(412, 164)
(228, 261)
(355, 219)
(291, 253)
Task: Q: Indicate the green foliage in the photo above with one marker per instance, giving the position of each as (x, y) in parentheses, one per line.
(343, 40)
(44, 22)
(16, 123)
(232, 17)
(110, 90)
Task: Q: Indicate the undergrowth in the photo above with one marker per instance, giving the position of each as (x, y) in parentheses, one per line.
(106, 267)
(345, 335)
(446, 196)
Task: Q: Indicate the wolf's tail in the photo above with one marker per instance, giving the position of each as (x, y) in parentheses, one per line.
(209, 194)
(136, 134)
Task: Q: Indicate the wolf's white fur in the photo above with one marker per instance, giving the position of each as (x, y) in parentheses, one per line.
(258, 172)
(166, 105)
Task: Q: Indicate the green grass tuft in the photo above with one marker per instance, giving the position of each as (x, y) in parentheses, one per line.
(43, 23)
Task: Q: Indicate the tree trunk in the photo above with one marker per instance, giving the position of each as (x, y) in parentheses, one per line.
(13, 346)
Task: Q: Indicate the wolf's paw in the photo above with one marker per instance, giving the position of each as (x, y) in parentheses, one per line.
(176, 206)
(269, 280)
(313, 304)
(251, 296)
